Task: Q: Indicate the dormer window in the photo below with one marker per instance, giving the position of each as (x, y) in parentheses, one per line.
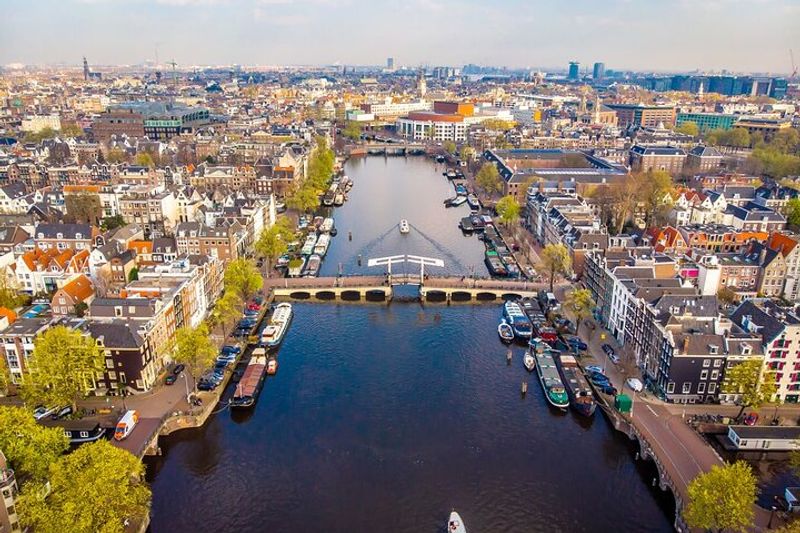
(59, 235)
(78, 236)
(747, 349)
(713, 349)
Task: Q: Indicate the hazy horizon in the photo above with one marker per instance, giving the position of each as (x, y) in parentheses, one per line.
(666, 35)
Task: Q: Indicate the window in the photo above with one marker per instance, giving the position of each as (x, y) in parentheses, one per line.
(110, 363)
(701, 388)
(704, 374)
(706, 363)
(712, 387)
(714, 374)
(717, 363)
(84, 434)
(687, 387)
(670, 387)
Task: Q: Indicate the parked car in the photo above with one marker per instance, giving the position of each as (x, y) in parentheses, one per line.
(599, 380)
(170, 379)
(206, 385)
(180, 367)
(254, 306)
(231, 348)
(607, 349)
(634, 384)
(595, 368)
(62, 412)
(751, 419)
(576, 343)
(608, 389)
(43, 412)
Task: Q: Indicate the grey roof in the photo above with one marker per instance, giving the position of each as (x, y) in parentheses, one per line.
(658, 150)
(763, 317)
(116, 334)
(705, 151)
(66, 231)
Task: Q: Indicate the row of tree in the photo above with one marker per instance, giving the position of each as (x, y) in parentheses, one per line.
(320, 171)
(98, 487)
(639, 192)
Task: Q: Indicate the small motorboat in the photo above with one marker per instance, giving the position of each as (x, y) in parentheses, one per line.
(529, 362)
(404, 227)
(455, 524)
(272, 367)
(505, 331)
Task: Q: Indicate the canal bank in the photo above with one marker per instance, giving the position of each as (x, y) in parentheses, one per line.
(394, 414)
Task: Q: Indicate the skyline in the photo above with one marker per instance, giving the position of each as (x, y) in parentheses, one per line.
(358, 32)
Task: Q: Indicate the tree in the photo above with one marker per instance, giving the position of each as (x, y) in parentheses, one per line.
(10, 298)
(726, 295)
(449, 147)
(194, 347)
(272, 243)
(581, 303)
(654, 186)
(80, 309)
(84, 207)
(488, 178)
(466, 153)
(305, 199)
(555, 260)
(688, 128)
(352, 130)
(29, 446)
(143, 159)
(243, 278)
(5, 377)
(110, 223)
(96, 488)
(722, 498)
(792, 211)
(116, 155)
(508, 209)
(71, 129)
(133, 275)
(753, 386)
(39, 136)
(62, 368)
(226, 310)
(498, 124)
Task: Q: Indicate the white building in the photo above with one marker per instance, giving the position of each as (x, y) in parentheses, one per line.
(36, 123)
(420, 126)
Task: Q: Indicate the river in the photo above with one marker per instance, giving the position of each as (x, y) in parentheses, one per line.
(386, 417)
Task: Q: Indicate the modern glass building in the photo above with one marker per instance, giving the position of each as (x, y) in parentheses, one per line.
(708, 121)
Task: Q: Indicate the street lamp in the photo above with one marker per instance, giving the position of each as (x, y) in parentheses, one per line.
(186, 383)
(771, 516)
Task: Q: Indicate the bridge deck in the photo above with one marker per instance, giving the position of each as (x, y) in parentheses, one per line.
(431, 282)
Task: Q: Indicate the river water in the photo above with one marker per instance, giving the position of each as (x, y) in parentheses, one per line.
(386, 417)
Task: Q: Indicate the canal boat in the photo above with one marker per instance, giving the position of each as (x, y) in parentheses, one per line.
(278, 324)
(466, 225)
(77, 431)
(478, 223)
(321, 247)
(529, 362)
(338, 200)
(317, 222)
(457, 201)
(517, 319)
(461, 191)
(251, 382)
(546, 333)
(295, 267)
(311, 269)
(455, 524)
(346, 184)
(272, 367)
(473, 202)
(505, 331)
(308, 246)
(327, 199)
(327, 225)
(495, 264)
(404, 227)
(451, 174)
(580, 393)
(550, 379)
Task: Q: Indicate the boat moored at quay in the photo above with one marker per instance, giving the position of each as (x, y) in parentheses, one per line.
(517, 319)
(554, 391)
(251, 382)
(278, 324)
(580, 393)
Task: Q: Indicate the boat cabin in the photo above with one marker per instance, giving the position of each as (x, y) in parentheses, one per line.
(77, 431)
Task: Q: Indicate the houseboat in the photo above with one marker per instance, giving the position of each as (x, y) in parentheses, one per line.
(321, 247)
(495, 264)
(311, 269)
(517, 319)
(338, 200)
(277, 326)
(473, 202)
(580, 393)
(77, 431)
(327, 225)
(295, 267)
(308, 246)
(249, 386)
(553, 387)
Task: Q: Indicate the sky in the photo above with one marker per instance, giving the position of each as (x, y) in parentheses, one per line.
(649, 35)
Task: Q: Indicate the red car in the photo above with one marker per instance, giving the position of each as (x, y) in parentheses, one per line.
(254, 306)
(751, 419)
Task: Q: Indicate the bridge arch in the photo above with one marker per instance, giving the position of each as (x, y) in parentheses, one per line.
(460, 296)
(326, 295)
(486, 297)
(351, 296)
(375, 295)
(300, 295)
(433, 295)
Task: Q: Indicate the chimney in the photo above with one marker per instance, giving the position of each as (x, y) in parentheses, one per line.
(686, 345)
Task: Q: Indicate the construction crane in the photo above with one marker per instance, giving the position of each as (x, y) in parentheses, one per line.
(174, 74)
(794, 66)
